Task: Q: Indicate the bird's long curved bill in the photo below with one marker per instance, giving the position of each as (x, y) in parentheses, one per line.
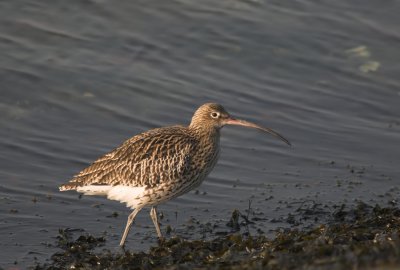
(238, 122)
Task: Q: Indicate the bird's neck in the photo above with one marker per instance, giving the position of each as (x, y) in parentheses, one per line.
(206, 134)
(207, 149)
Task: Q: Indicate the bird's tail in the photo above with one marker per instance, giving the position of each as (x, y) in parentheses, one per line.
(70, 186)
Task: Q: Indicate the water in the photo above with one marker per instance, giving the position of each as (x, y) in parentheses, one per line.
(79, 77)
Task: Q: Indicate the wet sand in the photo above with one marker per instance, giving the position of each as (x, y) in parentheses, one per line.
(364, 236)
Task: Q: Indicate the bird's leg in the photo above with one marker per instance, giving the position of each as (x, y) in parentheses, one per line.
(154, 217)
(131, 218)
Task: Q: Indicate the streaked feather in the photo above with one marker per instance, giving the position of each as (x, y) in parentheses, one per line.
(146, 160)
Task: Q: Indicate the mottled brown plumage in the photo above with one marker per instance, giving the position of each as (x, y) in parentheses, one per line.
(160, 164)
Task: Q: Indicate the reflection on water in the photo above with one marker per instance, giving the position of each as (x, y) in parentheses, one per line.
(78, 79)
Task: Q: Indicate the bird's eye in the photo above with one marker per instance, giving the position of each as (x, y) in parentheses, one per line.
(214, 114)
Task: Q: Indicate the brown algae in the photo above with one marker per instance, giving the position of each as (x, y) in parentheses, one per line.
(359, 236)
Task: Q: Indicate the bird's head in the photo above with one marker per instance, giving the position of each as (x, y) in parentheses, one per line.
(210, 115)
(213, 116)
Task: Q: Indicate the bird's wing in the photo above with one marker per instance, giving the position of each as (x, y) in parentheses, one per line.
(145, 160)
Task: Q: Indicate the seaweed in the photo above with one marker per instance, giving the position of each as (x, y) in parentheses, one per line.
(356, 237)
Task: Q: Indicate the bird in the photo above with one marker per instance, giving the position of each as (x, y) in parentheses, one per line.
(160, 164)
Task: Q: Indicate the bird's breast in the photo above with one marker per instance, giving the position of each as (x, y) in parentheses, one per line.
(205, 158)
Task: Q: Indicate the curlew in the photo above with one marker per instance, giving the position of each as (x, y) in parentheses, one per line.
(160, 164)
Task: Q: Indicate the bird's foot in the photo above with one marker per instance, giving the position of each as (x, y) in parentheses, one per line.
(161, 240)
(123, 248)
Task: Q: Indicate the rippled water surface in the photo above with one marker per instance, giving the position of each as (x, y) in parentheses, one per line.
(79, 77)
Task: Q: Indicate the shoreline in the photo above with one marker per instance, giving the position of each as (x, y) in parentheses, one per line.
(363, 235)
